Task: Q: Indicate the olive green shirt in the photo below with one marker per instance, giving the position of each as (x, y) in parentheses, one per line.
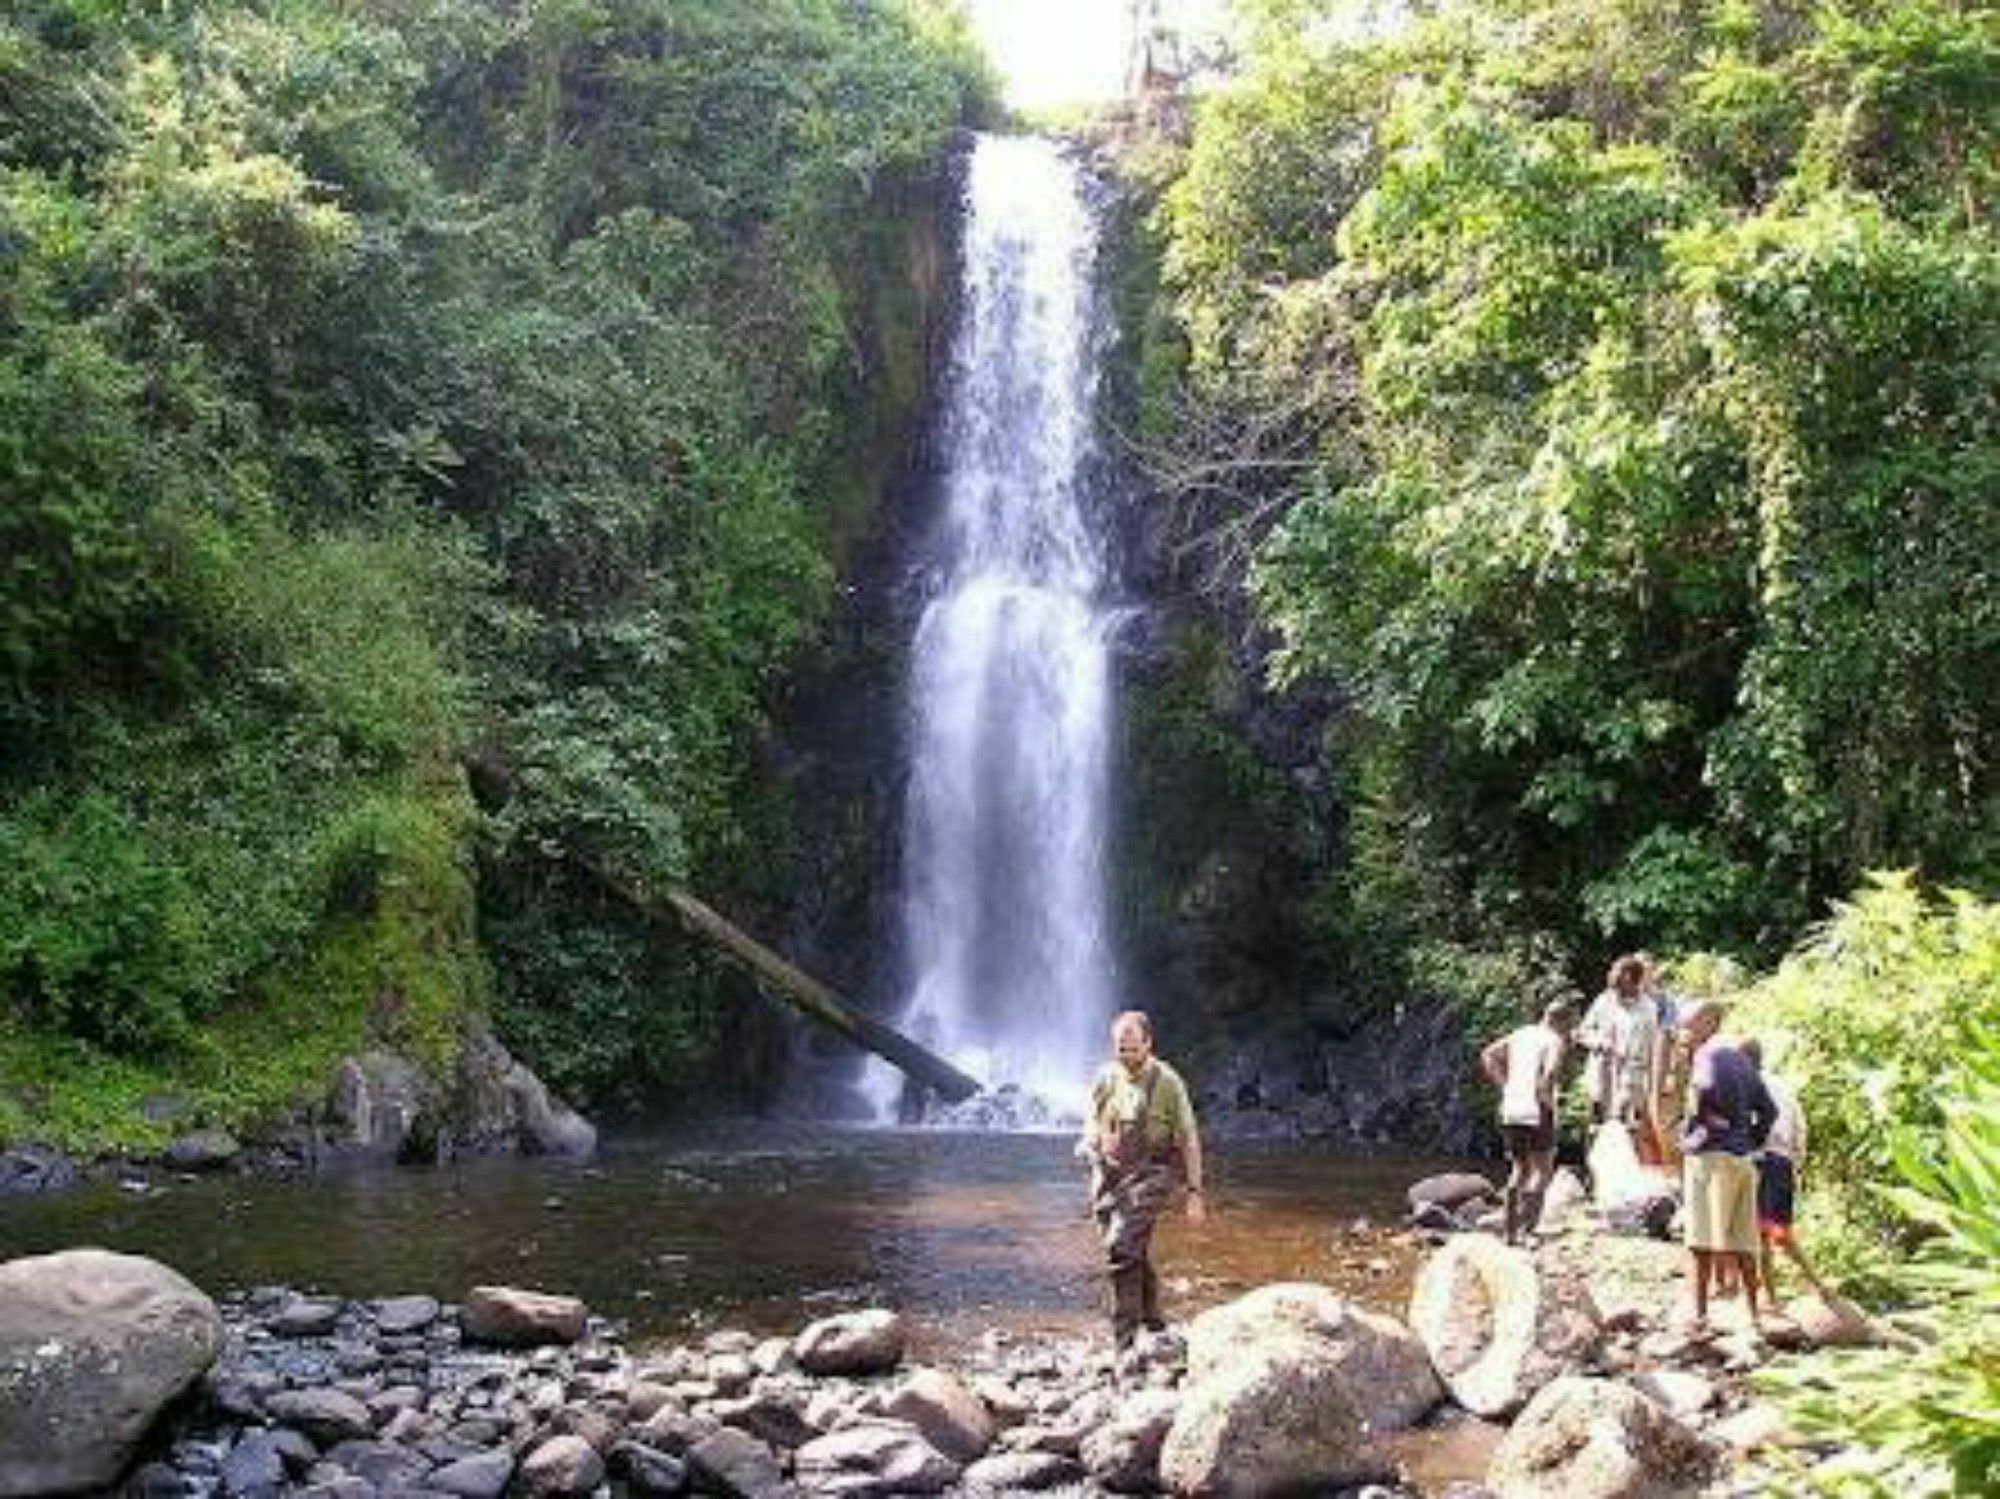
(1117, 1098)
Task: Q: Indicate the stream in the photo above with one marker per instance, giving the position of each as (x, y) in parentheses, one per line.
(762, 1228)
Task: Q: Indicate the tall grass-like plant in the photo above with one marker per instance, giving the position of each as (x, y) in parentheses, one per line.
(1923, 1418)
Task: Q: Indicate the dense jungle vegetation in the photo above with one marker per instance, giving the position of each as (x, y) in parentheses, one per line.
(1606, 397)
(424, 427)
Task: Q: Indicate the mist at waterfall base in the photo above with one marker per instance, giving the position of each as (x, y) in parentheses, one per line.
(1013, 975)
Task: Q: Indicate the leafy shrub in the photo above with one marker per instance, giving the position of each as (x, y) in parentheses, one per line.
(1862, 1020)
(1923, 1417)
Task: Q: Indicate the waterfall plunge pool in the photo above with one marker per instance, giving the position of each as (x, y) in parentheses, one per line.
(760, 1227)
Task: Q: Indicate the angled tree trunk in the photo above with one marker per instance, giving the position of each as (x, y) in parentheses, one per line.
(805, 993)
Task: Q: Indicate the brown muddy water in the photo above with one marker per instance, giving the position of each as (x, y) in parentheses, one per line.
(958, 1230)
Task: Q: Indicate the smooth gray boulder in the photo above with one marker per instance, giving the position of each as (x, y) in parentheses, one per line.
(870, 1342)
(735, 1464)
(1496, 1326)
(93, 1346)
(1597, 1439)
(483, 1475)
(401, 1314)
(325, 1414)
(35, 1168)
(203, 1150)
(874, 1456)
(1451, 1190)
(562, 1466)
(947, 1413)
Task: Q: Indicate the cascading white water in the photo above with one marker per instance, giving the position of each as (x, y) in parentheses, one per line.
(1004, 904)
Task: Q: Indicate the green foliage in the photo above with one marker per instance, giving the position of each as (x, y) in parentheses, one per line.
(1860, 1018)
(1923, 1417)
(385, 387)
(1624, 378)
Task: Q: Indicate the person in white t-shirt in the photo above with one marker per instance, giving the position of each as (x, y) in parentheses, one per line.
(1525, 1065)
(1619, 1031)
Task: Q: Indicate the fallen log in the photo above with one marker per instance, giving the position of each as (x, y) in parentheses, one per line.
(805, 993)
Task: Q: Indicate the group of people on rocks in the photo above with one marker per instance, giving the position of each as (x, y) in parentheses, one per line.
(1682, 1098)
(1694, 1107)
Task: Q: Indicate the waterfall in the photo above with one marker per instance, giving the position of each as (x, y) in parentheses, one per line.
(1011, 969)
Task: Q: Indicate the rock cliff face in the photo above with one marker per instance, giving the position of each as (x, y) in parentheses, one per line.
(837, 748)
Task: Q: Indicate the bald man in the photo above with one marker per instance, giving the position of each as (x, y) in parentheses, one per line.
(1141, 1140)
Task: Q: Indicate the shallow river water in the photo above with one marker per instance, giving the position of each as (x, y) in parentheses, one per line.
(761, 1231)
(765, 1230)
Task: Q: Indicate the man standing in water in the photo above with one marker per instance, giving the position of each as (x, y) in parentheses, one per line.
(1141, 1141)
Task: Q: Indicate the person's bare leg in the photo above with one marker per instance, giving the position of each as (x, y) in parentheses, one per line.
(1746, 1271)
(1541, 1171)
(1702, 1270)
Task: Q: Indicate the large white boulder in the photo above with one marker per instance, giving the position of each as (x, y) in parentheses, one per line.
(1597, 1439)
(1288, 1389)
(93, 1345)
(1495, 1325)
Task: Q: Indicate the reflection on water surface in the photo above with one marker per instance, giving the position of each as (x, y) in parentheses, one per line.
(759, 1229)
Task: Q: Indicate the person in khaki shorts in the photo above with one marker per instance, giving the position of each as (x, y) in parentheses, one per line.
(1730, 1112)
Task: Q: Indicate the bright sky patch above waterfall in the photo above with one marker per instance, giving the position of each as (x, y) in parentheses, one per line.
(1053, 52)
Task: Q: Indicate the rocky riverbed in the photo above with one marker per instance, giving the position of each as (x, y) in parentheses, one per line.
(1564, 1361)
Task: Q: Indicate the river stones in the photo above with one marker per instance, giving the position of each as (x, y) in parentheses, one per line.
(484, 1475)
(563, 1465)
(202, 1150)
(35, 1168)
(515, 1318)
(875, 1456)
(93, 1346)
(735, 1464)
(1287, 1389)
(948, 1414)
(774, 1417)
(254, 1468)
(647, 1469)
(1496, 1327)
(305, 1317)
(405, 1314)
(326, 1415)
(1597, 1439)
(869, 1342)
(1451, 1190)
(1017, 1472)
(1123, 1455)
